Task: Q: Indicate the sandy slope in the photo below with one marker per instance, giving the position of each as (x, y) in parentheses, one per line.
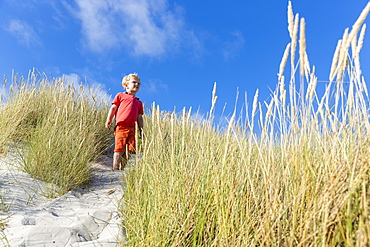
(83, 217)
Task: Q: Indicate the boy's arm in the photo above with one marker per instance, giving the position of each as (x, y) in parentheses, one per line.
(140, 122)
(111, 113)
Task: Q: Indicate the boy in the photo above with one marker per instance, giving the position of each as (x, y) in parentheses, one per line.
(127, 110)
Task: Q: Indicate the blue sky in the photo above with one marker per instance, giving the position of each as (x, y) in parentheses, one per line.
(179, 48)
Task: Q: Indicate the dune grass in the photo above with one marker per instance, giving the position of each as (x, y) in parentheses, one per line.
(296, 173)
(57, 129)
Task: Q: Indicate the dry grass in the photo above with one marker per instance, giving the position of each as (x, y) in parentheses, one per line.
(297, 174)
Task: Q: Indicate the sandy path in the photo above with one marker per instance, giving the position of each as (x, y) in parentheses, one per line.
(84, 217)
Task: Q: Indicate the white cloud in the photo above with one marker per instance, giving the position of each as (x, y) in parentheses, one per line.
(25, 33)
(154, 86)
(72, 79)
(94, 89)
(147, 27)
(232, 48)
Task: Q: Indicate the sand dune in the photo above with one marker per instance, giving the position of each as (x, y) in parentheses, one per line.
(87, 216)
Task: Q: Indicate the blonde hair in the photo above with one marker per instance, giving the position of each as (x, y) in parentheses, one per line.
(127, 78)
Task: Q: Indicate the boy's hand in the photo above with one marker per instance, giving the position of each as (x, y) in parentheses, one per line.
(108, 124)
(111, 113)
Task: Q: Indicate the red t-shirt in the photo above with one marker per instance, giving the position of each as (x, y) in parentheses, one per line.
(128, 107)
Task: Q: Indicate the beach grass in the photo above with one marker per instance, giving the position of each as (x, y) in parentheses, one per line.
(295, 173)
(56, 128)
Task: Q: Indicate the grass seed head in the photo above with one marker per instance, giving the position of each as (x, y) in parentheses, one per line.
(302, 46)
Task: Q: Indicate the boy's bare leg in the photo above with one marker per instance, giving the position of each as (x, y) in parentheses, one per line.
(117, 160)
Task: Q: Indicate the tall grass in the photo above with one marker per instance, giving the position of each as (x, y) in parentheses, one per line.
(56, 127)
(296, 174)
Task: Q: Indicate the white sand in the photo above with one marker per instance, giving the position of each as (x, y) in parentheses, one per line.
(84, 217)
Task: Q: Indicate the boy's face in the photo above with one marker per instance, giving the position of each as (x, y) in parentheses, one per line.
(133, 86)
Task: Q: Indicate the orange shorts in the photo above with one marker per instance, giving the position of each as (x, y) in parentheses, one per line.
(124, 139)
